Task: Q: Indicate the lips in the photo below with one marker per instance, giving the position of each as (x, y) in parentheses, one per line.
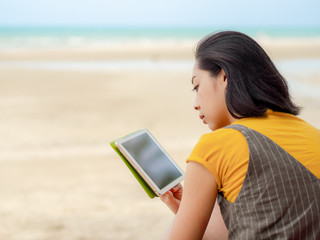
(202, 117)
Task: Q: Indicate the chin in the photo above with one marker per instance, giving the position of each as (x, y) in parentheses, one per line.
(214, 127)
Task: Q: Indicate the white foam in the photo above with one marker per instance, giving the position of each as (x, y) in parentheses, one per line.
(141, 64)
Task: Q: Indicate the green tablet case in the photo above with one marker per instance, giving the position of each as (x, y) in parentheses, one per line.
(142, 182)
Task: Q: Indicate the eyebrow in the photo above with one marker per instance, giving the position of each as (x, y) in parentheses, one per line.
(193, 78)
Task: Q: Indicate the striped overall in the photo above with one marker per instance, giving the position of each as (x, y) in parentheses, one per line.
(279, 198)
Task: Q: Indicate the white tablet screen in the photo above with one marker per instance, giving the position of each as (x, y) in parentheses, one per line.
(152, 160)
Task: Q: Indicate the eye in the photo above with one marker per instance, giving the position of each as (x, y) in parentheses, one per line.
(195, 88)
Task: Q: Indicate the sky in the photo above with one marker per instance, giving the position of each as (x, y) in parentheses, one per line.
(160, 13)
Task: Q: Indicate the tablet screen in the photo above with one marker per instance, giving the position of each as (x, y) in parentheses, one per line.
(154, 162)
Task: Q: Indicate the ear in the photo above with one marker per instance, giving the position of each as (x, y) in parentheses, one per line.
(223, 77)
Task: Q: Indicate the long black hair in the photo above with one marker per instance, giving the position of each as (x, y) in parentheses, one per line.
(254, 83)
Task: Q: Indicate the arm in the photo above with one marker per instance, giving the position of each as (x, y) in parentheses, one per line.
(199, 195)
(216, 229)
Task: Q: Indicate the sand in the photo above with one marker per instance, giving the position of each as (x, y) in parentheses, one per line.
(59, 179)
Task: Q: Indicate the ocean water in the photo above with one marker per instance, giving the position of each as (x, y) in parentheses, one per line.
(19, 38)
(42, 37)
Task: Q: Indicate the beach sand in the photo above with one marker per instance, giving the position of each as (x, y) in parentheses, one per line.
(59, 178)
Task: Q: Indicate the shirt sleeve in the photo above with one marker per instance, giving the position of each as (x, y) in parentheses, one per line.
(223, 152)
(208, 152)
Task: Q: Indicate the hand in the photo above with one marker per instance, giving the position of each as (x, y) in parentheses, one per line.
(173, 197)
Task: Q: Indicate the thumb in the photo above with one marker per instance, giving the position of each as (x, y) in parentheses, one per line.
(166, 197)
(169, 199)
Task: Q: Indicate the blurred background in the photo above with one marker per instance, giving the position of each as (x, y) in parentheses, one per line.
(75, 75)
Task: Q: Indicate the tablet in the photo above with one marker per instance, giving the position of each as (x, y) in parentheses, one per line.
(150, 160)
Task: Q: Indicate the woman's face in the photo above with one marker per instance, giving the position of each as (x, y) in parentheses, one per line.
(210, 98)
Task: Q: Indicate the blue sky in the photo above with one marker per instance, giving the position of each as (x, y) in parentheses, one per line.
(159, 13)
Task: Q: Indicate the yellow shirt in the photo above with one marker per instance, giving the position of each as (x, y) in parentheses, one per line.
(225, 152)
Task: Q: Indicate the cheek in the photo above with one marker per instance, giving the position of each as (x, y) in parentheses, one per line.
(216, 107)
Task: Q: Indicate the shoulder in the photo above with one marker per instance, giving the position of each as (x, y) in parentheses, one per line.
(220, 144)
(221, 137)
(220, 152)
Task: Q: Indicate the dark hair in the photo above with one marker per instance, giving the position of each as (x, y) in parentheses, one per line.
(254, 83)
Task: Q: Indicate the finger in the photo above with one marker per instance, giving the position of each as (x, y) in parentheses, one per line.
(177, 191)
(166, 197)
(176, 188)
(171, 201)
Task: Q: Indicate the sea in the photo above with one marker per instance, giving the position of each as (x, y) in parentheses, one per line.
(50, 37)
(21, 37)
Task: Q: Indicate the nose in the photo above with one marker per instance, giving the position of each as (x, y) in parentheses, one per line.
(196, 105)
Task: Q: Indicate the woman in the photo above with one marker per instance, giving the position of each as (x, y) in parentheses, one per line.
(261, 162)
